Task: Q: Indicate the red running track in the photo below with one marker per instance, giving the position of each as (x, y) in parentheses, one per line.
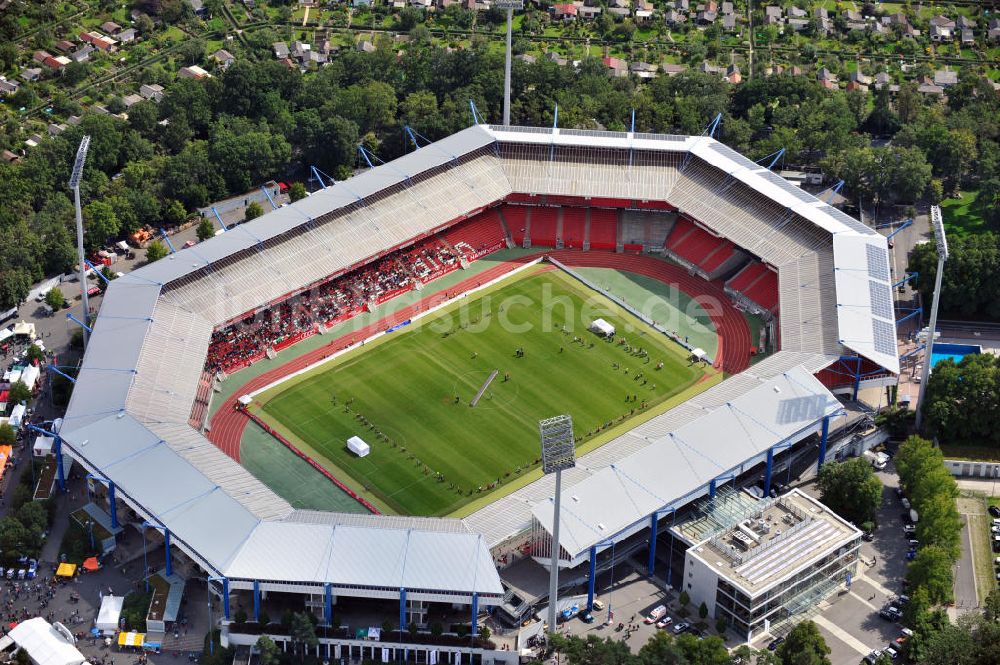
(228, 423)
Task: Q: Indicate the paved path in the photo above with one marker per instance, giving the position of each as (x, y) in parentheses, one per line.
(966, 593)
(842, 635)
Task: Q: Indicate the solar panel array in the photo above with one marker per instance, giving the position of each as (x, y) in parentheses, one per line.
(660, 137)
(797, 192)
(884, 334)
(731, 154)
(842, 216)
(880, 299)
(815, 534)
(878, 263)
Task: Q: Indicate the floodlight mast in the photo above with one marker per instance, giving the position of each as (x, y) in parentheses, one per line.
(558, 453)
(937, 224)
(510, 6)
(74, 184)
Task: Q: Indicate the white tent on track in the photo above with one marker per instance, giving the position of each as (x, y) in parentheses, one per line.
(109, 614)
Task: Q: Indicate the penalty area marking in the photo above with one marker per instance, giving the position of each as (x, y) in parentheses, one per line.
(482, 389)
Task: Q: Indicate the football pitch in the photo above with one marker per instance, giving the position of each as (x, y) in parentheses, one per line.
(522, 347)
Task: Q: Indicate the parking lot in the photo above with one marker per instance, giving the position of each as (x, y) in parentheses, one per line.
(849, 620)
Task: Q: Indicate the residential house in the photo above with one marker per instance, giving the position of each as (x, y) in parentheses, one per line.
(856, 25)
(41, 56)
(556, 58)
(280, 50)
(99, 41)
(223, 58)
(798, 24)
(729, 22)
(111, 28)
(858, 76)
(964, 23)
(8, 87)
(928, 88)
(826, 78)
(564, 12)
(644, 70)
(968, 38)
(620, 7)
(82, 54)
(588, 12)
(772, 15)
(855, 85)
(10, 157)
(708, 68)
(945, 78)
(853, 15)
(942, 28)
(820, 12)
(824, 26)
(706, 17)
(33, 141)
(670, 69)
(616, 67)
(526, 57)
(31, 73)
(56, 130)
(73, 120)
(682, 5)
(994, 30)
(733, 74)
(366, 46)
(132, 100)
(796, 12)
(727, 8)
(198, 6)
(644, 10)
(674, 17)
(421, 3)
(65, 45)
(193, 72)
(127, 36)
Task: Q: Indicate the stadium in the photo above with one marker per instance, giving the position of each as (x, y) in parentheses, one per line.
(682, 211)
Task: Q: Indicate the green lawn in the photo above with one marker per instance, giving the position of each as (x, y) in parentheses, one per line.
(962, 216)
(431, 451)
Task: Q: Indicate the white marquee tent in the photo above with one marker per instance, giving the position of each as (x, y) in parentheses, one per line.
(358, 447)
(602, 327)
(110, 613)
(47, 644)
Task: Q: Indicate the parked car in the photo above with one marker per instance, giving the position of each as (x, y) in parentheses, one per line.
(598, 604)
(682, 627)
(658, 613)
(775, 643)
(891, 652)
(873, 656)
(909, 530)
(911, 555)
(995, 511)
(32, 569)
(587, 617)
(890, 613)
(868, 536)
(664, 622)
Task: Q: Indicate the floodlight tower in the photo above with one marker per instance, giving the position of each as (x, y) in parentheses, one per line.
(937, 224)
(558, 453)
(74, 184)
(510, 6)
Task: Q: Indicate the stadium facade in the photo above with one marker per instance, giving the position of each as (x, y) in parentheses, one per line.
(127, 421)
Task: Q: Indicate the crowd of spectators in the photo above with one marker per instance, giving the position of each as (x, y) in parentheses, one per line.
(241, 343)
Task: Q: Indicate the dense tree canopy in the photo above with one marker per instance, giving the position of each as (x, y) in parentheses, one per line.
(851, 489)
(804, 645)
(963, 399)
(260, 120)
(968, 288)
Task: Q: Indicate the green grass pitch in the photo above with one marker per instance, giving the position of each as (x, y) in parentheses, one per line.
(408, 394)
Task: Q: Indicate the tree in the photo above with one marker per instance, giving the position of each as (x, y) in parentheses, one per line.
(268, 651)
(962, 400)
(684, 598)
(302, 631)
(660, 650)
(7, 435)
(33, 516)
(804, 645)
(591, 650)
(19, 392)
(931, 569)
(851, 489)
(15, 540)
(155, 251)
(253, 211)
(100, 222)
(55, 299)
(991, 606)
(205, 229)
(703, 610)
(296, 191)
(34, 354)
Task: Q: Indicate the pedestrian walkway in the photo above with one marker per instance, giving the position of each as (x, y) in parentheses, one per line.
(842, 635)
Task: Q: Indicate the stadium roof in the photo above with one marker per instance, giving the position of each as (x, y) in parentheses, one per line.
(128, 415)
